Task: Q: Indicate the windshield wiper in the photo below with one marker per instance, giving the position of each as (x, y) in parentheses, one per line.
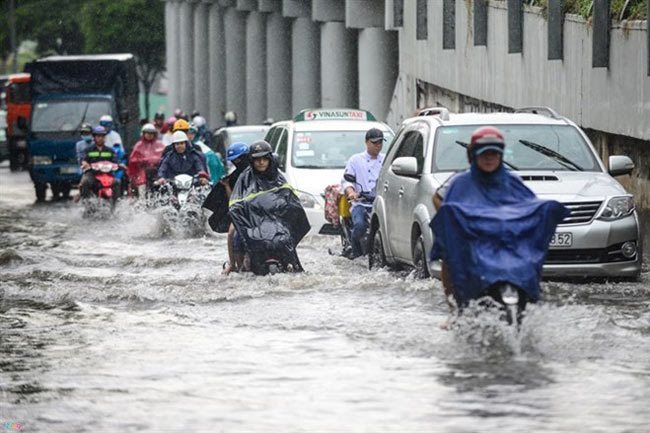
(563, 160)
(310, 166)
(512, 167)
(83, 116)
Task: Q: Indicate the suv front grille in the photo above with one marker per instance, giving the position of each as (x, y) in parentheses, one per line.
(581, 212)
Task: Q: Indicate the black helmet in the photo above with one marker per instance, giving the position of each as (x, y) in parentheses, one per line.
(159, 115)
(260, 149)
(86, 127)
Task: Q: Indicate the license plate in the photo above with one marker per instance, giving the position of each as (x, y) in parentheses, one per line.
(69, 170)
(564, 239)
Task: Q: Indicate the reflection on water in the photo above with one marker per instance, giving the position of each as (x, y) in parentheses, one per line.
(109, 326)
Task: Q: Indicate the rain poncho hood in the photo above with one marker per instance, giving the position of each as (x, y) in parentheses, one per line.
(267, 213)
(217, 201)
(492, 228)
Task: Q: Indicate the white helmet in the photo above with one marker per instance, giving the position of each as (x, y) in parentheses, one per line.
(179, 136)
(199, 121)
(230, 116)
(106, 118)
(148, 127)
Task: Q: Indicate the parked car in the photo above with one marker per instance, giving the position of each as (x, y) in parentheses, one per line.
(554, 157)
(313, 149)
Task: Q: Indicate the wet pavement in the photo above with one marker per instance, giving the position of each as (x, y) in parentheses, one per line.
(109, 326)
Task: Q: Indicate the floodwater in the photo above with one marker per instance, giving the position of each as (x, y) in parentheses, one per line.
(107, 326)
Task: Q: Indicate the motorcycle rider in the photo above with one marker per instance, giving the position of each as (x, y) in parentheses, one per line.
(159, 123)
(98, 152)
(144, 159)
(168, 130)
(213, 161)
(489, 203)
(86, 132)
(203, 131)
(365, 166)
(266, 212)
(183, 159)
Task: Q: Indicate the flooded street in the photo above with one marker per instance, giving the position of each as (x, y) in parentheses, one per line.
(107, 326)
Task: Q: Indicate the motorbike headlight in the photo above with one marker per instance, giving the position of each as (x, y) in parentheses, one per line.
(617, 207)
(41, 160)
(308, 200)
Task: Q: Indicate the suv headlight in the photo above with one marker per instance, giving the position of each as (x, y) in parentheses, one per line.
(308, 200)
(617, 207)
(41, 160)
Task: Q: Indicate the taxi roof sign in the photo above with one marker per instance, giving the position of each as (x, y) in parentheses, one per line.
(334, 114)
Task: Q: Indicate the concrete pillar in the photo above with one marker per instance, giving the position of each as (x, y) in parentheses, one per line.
(172, 54)
(217, 67)
(255, 67)
(305, 65)
(201, 59)
(235, 35)
(186, 48)
(338, 66)
(278, 67)
(378, 68)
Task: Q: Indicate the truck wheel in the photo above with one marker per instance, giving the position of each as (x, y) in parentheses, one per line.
(41, 190)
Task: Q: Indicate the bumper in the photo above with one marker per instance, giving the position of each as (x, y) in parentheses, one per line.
(56, 173)
(600, 270)
(317, 220)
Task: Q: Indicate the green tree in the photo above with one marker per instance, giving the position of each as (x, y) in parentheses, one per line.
(128, 26)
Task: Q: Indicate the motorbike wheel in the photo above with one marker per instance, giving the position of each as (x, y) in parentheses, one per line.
(376, 256)
(420, 259)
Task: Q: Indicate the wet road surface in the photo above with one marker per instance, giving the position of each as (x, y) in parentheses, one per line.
(108, 326)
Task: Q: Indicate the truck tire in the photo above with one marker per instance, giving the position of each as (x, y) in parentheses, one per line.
(41, 190)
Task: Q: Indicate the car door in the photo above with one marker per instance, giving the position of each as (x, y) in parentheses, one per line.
(407, 196)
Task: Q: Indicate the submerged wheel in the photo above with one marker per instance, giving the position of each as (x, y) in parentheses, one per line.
(376, 255)
(420, 259)
(41, 190)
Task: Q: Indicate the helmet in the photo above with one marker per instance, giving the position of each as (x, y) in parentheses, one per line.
(230, 116)
(181, 125)
(236, 150)
(260, 149)
(99, 130)
(195, 113)
(179, 136)
(159, 115)
(170, 121)
(105, 118)
(199, 121)
(148, 127)
(486, 138)
(193, 128)
(86, 127)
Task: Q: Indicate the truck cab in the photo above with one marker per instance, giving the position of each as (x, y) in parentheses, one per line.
(68, 91)
(18, 103)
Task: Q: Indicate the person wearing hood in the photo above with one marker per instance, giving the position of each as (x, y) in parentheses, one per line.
(489, 226)
(144, 159)
(266, 212)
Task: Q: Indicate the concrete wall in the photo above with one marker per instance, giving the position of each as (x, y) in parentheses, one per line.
(614, 99)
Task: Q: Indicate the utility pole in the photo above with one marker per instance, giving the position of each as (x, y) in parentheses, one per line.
(12, 34)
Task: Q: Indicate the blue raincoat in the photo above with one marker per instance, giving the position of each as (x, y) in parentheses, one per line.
(492, 228)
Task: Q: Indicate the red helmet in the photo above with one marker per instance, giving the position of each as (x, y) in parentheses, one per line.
(486, 138)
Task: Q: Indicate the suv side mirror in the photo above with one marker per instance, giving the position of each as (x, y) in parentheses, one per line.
(620, 165)
(405, 166)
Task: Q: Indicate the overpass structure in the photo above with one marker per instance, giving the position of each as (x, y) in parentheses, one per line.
(272, 58)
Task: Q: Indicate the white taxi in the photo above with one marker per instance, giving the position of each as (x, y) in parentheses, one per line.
(313, 149)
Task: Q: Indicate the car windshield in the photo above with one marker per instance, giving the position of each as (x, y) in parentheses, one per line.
(247, 137)
(329, 149)
(528, 147)
(66, 115)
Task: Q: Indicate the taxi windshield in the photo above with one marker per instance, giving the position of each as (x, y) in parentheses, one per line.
(329, 149)
(528, 147)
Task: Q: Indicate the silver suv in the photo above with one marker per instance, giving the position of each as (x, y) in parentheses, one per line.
(601, 237)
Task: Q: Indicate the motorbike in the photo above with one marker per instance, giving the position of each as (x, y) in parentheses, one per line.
(104, 172)
(344, 205)
(180, 203)
(510, 299)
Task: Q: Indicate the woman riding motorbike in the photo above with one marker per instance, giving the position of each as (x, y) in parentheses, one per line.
(490, 228)
(144, 160)
(267, 214)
